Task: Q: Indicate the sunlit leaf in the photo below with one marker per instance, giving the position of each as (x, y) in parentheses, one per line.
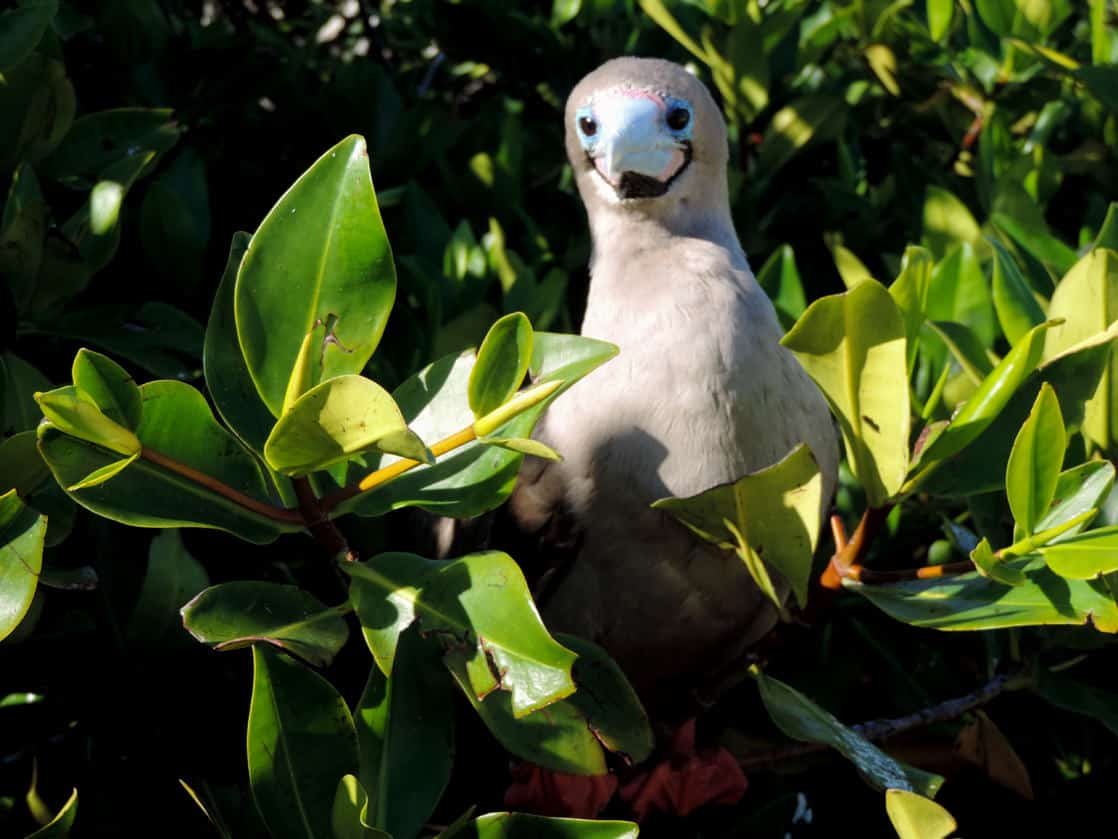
(853, 346)
(110, 387)
(320, 256)
(73, 412)
(947, 220)
(22, 535)
(60, 826)
(801, 719)
(502, 361)
(1035, 460)
(1017, 308)
(522, 826)
(916, 817)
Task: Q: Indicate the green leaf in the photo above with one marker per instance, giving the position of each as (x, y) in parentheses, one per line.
(384, 591)
(656, 10)
(1078, 698)
(994, 567)
(1087, 300)
(850, 268)
(175, 219)
(1084, 557)
(320, 255)
(910, 291)
(1017, 308)
(1108, 231)
(21, 29)
(483, 600)
(172, 578)
(1035, 460)
(853, 346)
(947, 221)
(1078, 490)
(405, 730)
(176, 423)
(973, 602)
(63, 822)
(777, 510)
(801, 719)
(110, 387)
(22, 535)
(780, 279)
(959, 292)
(474, 478)
(301, 741)
(916, 817)
(502, 361)
(337, 420)
(980, 465)
(73, 412)
(802, 121)
(23, 228)
(104, 206)
(524, 445)
(940, 13)
(523, 826)
(966, 347)
(350, 803)
(988, 401)
(234, 615)
(98, 141)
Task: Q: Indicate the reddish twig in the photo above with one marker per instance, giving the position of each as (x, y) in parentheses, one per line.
(846, 563)
(318, 522)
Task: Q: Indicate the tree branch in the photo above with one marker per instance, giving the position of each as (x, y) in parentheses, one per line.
(318, 521)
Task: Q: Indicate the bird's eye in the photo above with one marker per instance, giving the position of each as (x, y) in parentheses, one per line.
(587, 126)
(678, 118)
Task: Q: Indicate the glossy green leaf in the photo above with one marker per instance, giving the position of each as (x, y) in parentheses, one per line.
(916, 817)
(23, 469)
(853, 346)
(1017, 308)
(22, 535)
(850, 268)
(176, 423)
(21, 28)
(172, 578)
(110, 387)
(350, 802)
(405, 730)
(63, 822)
(175, 220)
(910, 290)
(73, 412)
(483, 600)
(23, 228)
(234, 615)
(801, 719)
(524, 445)
(980, 465)
(1078, 490)
(104, 206)
(988, 401)
(1087, 300)
(100, 140)
(1085, 556)
(777, 510)
(385, 590)
(337, 420)
(320, 255)
(780, 279)
(556, 737)
(523, 826)
(940, 13)
(947, 221)
(502, 361)
(474, 478)
(1035, 460)
(959, 293)
(973, 602)
(301, 741)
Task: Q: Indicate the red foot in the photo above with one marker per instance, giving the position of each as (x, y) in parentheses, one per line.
(548, 793)
(686, 779)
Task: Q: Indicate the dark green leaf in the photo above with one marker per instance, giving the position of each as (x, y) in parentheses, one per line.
(23, 229)
(522, 826)
(172, 578)
(22, 533)
(98, 141)
(1017, 308)
(780, 279)
(20, 31)
(19, 382)
(233, 615)
(301, 741)
(63, 822)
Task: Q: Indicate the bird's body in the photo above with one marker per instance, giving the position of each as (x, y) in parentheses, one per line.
(700, 394)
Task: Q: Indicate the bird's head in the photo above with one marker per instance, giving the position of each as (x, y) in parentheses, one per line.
(645, 134)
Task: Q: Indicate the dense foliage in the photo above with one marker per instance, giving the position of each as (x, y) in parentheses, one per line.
(961, 152)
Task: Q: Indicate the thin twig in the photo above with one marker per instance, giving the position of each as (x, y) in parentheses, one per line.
(878, 730)
(280, 514)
